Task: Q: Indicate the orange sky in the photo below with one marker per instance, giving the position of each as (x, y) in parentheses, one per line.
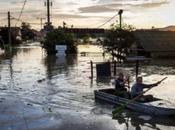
(92, 13)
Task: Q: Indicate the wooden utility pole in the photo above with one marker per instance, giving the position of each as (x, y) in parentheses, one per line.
(120, 17)
(48, 12)
(48, 4)
(48, 26)
(41, 21)
(9, 30)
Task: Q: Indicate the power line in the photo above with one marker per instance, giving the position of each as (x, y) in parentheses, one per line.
(35, 23)
(13, 18)
(22, 9)
(3, 19)
(107, 21)
(24, 22)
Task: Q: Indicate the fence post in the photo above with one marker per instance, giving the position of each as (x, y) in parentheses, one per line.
(91, 69)
(115, 65)
(137, 68)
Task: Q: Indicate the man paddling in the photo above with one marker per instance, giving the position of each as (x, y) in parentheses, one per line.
(138, 88)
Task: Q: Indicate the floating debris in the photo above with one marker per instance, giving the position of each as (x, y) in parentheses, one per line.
(41, 80)
(29, 104)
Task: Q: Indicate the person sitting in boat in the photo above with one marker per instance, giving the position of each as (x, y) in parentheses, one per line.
(120, 83)
(138, 88)
(120, 86)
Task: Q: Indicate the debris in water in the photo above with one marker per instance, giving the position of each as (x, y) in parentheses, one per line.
(41, 80)
(50, 110)
(29, 104)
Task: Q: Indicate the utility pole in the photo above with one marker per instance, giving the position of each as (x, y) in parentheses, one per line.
(48, 4)
(9, 30)
(41, 21)
(120, 17)
(48, 26)
(48, 12)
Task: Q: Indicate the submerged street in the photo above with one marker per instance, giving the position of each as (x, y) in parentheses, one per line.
(40, 92)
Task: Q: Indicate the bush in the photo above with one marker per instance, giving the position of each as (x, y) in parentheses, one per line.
(118, 41)
(59, 37)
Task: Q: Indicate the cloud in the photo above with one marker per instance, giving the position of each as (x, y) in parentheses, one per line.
(80, 11)
(125, 4)
(152, 5)
(68, 16)
(96, 9)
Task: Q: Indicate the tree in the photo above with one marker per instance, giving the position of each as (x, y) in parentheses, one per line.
(26, 32)
(59, 37)
(118, 41)
(14, 35)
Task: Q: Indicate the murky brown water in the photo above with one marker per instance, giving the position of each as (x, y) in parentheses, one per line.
(63, 84)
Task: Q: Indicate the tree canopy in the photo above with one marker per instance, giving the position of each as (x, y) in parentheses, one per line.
(14, 34)
(26, 32)
(59, 37)
(119, 40)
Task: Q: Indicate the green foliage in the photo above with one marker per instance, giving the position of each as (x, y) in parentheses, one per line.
(118, 111)
(118, 41)
(86, 38)
(4, 36)
(59, 37)
(26, 32)
(124, 27)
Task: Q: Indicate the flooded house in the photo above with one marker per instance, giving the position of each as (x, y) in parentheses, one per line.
(154, 43)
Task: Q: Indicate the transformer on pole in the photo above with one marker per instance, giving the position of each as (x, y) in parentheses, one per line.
(48, 4)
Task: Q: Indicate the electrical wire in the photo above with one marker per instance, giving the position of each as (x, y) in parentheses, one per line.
(107, 21)
(24, 22)
(13, 18)
(22, 9)
(3, 19)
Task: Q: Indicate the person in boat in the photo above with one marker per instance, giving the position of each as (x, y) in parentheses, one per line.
(138, 88)
(120, 82)
(120, 86)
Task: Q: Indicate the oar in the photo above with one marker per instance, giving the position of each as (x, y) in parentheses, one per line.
(121, 108)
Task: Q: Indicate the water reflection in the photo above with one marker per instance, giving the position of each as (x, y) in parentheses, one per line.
(57, 83)
(136, 121)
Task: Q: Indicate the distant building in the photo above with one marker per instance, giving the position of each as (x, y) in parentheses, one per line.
(98, 32)
(38, 35)
(154, 43)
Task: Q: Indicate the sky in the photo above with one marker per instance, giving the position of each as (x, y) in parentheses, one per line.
(92, 13)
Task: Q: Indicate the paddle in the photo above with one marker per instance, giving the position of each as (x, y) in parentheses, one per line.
(118, 110)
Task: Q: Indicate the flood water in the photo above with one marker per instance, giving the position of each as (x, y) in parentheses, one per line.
(58, 83)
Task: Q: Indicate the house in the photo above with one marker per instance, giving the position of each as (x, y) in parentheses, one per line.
(154, 43)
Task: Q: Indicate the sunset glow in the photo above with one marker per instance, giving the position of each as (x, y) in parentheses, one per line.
(92, 13)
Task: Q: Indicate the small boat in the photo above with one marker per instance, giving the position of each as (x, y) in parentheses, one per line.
(158, 107)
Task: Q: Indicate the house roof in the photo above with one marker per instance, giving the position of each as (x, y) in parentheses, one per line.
(154, 40)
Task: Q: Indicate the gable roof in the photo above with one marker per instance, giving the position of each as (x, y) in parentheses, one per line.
(154, 40)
